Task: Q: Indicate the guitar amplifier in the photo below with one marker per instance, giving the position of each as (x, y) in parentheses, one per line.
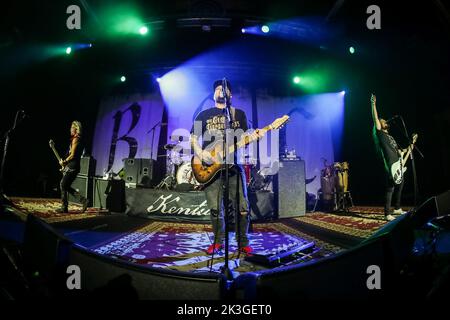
(87, 166)
(290, 185)
(109, 194)
(82, 184)
(139, 172)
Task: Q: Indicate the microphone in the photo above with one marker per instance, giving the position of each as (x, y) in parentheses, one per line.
(224, 89)
(392, 118)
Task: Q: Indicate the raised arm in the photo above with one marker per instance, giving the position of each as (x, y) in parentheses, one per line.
(376, 120)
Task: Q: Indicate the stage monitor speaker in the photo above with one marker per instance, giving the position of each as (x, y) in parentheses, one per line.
(290, 189)
(44, 249)
(139, 171)
(109, 194)
(107, 277)
(443, 203)
(82, 184)
(87, 166)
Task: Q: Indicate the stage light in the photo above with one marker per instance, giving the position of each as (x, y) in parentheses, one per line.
(265, 29)
(158, 79)
(68, 50)
(123, 78)
(296, 79)
(352, 50)
(90, 45)
(143, 30)
(243, 30)
(343, 92)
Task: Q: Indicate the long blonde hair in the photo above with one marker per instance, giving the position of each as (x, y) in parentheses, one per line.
(78, 126)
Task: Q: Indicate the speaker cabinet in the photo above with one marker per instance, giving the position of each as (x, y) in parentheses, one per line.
(443, 203)
(82, 184)
(139, 172)
(290, 189)
(109, 194)
(87, 166)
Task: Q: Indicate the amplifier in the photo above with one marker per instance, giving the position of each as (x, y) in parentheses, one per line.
(290, 188)
(139, 172)
(87, 166)
(109, 194)
(82, 184)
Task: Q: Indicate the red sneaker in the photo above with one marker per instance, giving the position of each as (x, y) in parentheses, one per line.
(247, 250)
(214, 248)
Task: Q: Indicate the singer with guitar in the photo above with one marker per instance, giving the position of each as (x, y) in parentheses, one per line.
(70, 166)
(394, 160)
(211, 123)
(207, 163)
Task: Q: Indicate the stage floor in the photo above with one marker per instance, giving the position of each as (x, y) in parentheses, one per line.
(181, 246)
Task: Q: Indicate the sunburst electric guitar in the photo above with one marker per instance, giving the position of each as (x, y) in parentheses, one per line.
(398, 168)
(52, 146)
(205, 173)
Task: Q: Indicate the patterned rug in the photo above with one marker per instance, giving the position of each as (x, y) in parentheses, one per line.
(46, 210)
(181, 246)
(360, 222)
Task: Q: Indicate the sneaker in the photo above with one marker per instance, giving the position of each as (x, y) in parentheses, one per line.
(62, 210)
(399, 211)
(214, 248)
(389, 217)
(247, 250)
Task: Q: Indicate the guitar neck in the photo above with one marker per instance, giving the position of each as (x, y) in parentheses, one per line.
(408, 153)
(247, 140)
(56, 154)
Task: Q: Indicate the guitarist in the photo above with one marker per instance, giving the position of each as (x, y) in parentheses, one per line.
(210, 124)
(71, 165)
(389, 151)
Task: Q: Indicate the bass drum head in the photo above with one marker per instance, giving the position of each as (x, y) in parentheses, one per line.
(185, 174)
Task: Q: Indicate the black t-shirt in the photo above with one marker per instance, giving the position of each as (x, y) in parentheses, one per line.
(211, 122)
(387, 146)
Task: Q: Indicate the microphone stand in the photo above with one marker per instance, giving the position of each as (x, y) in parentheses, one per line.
(413, 163)
(153, 137)
(226, 182)
(17, 120)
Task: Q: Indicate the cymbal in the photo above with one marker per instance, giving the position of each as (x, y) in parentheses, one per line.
(169, 146)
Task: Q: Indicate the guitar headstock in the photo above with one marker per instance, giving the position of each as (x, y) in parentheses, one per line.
(414, 137)
(51, 143)
(279, 122)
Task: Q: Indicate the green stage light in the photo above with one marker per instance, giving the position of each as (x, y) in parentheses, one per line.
(123, 78)
(352, 50)
(68, 50)
(296, 79)
(143, 30)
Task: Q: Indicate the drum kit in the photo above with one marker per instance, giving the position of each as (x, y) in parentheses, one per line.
(179, 170)
(334, 187)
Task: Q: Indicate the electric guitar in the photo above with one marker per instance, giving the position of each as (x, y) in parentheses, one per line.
(52, 146)
(205, 173)
(398, 168)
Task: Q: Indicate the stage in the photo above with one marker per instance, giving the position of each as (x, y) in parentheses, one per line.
(181, 245)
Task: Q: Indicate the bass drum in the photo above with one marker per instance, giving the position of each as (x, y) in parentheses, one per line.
(185, 175)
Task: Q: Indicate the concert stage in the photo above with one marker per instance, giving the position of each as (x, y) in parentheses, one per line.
(181, 245)
(169, 254)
